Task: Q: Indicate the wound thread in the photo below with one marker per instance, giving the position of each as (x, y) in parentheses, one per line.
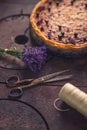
(74, 97)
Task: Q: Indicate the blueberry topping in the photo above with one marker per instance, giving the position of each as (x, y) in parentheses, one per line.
(84, 39)
(37, 15)
(57, 3)
(49, 35)
(49, 9)
(60, 36)
(86, 5)
(60, 28)
(72, 2)
(39, 21)
(75, 35)
(62, 33)
(42, 29)
(71, 40)
(50, 2)
(46, 21)
(41, 8)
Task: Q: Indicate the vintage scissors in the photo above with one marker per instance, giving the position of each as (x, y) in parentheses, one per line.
(18, 85)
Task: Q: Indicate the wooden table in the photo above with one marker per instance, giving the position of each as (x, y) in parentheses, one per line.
(43, 96)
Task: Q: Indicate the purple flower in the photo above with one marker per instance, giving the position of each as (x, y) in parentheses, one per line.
(34, 57)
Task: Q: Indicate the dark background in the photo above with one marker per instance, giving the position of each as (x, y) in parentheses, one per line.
(13, 6)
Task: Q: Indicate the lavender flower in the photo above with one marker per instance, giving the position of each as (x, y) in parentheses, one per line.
(34, 57)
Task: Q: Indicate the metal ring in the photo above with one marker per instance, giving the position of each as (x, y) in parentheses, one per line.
(57, 108)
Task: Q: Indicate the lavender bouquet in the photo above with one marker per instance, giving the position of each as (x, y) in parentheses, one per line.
(34, 57)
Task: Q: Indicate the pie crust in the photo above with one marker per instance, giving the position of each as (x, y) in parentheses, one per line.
(71, 17)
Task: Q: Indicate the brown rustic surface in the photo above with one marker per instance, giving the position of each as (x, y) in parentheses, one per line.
(42, 97)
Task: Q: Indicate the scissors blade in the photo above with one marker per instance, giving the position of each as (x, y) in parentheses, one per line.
(43, 79)
(50, 76)
(59, 78)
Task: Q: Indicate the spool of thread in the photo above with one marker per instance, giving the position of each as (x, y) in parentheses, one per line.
(74, 97)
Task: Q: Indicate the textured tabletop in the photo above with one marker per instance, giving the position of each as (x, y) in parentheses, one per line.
(40, 96)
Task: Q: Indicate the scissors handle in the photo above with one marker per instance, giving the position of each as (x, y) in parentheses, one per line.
(14, 81)
(15, 93)
(11, 81)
